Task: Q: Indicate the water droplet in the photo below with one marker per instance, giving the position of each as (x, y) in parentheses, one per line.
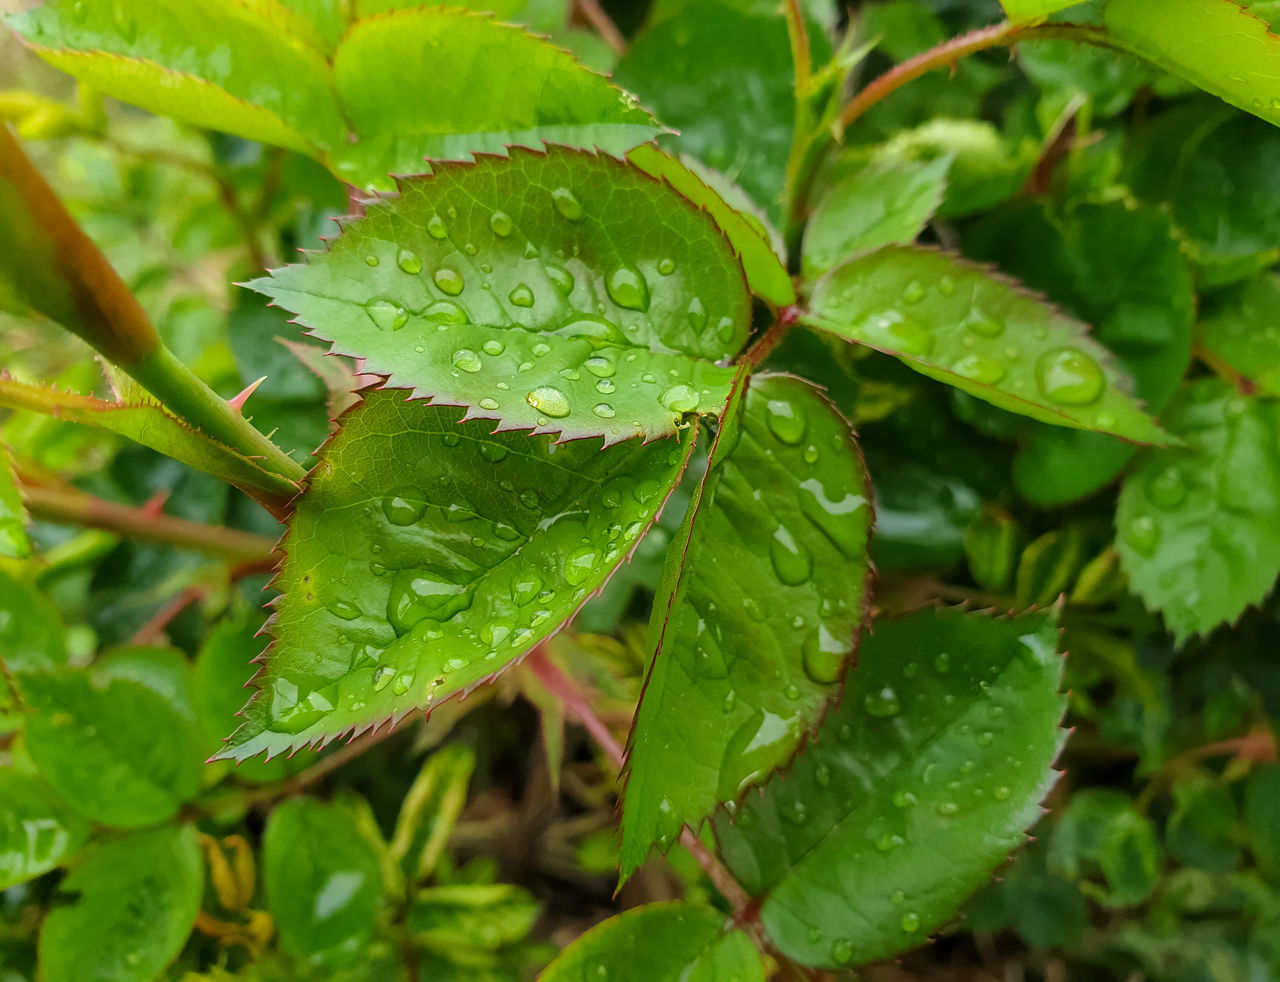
(603, 410)
(387, 314)
(409, 261)
(697, 314)
(382, 676)
(948, 809)
(418, 594)
(913, 292)
(1167, 489)
(347, 611)
(786, 421)
(795, 812)
(907, 335)
(549, 400)
(560, 278)
(910, 921)
(666, 266)
(987, 371)
(1002, 793)
(402, 683)
(842, 951)
(600, 366)
(898, 896)
(726, 329)
(501, 224)
(521, 296)
(436, 227)
(882, 703)
(680, 399)
(449, 281)
(1069, 377)
(404, 506)
(567, 204)
(470, 248)
(811, 454)
(467, 360)
(888, 843)
(493, 347)
(942, 663)
(579, 564)
(730, 700)
(903, 799)
(371, 260)
(984, 326)
(986, 738)
(1142, 535)
(823, 655)
(947, 286)
(792, 562)
(489, 404)
(493, 452)
(627, 287)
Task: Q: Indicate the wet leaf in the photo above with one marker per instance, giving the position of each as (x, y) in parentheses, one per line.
(920, 784)
(961, 325)
(30, 635)
(14, 543)
(760, 607)
(430, 810)
(37, 829)
(465, 915)
(564, 292)
(1242, 332)
(1197, 528)
(426, 555)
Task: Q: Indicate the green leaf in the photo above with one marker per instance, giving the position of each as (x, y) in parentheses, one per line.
(323, 884)
(663, 942)
(31, 637)
(1198, 534)
(1213, 44)
(1262, 817)
(1202, 828)
(779, 524)
(484, 88)
(917, 788)
(445, 919)
(238, 67)
(1102, 833)
(1119, 268)
(562, 292)
(1024, 10)
(37, 830)
(430, 810)
(150, 425)
(427, 555)
(748, 232)
(165, 671)
(1242, 332)
(118, 752)
(14, 543)
(959, 324)
(132, 903)
(722, 77)
(882, 204)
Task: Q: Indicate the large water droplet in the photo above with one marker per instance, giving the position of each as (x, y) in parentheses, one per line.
(1069, 377)
(792, 562)
(786, 421)
(910, 921)
(697, 314)
(493, 452)
(822, 655)
(579, 564)
(404, 506)
(590, 326)
(292, 710)
(419, 594)
(409, 261)
(913, 292)
(907, 335)
(521, 296)
(762, 742)
(601, 366)
(436, 227)
(842, 951)
(882, 703)
(1143, 535)
(560, 278)
(627, 288)
(680, 399)
(467, 360)
(666, 266)
(984, 326)
(449, 281)
(987, 371)
(567, 204)
(447, 312)
(525, 586)
(604, 410)
(501, 224)
(1167, 489)
(549, 400)
(387, 314)
(347, 611)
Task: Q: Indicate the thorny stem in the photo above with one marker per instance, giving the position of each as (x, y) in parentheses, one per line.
(1258, 746)
(605, 27)
(579, 706)
(770, 339)
(80, 508)
(944, 55)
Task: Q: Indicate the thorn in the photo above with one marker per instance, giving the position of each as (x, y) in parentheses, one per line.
(237, 402)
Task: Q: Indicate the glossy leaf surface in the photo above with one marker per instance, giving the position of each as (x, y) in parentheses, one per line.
(881, 204)
(1198, 531)
(430, 810)
(1020, 10)
(37, 829)
(760, 606)
(920, 784)
(323, 883)
(1215, 45)
(563, 292)
(747, 232)
(30, 634)
(961, 325)
(131, 904)
(116, 750)
(1242, 332)
(426, 555)
(471, 915)
(14, 543)
(663, 942)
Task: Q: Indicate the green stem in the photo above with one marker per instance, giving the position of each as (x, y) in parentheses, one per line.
(186, 395)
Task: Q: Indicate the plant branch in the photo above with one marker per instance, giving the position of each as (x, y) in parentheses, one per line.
(770, 339)
(799, 47)
(594, 14)
(80, 508)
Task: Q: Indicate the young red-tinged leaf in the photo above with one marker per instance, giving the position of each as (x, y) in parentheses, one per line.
(1198, 531)
(37, 829)
(130, 905)
(1242, 333)
(664, 942)
(1214, 44)
(884, 203)
(747, 231)
(965, 326)
(920, 784)
(563, 292)
(14, 543)
(760, 606)
(323, 884)
(427, 554)
(115, 749)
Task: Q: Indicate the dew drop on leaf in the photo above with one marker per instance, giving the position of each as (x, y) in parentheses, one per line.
(1143, 535)
(983, 326)
(521, 296)
(604, 410)
(1167, 489)
(792, 562)
(697, 314)
(371, 260)
(549, 400)
(785, 421)
(795, 812)
(666, 266)
(436, 227)
(579, 564)
(567, 204)
(488, 404)
(678, 398)
(1069, 377)
(560, 278)
(627, 288)
(913, 292)
(903, 799)
(948, 809)
(493, 347)
(447, 312)
(1002, 793)
(882, 703)
(449, 281)
(600, 366)
(910, 921)
(942, 663)
(842, 951)
(822, 656)
(387, 315)
(908, 335)
(501, 224)
(467, 360)
(344, 609)
(493, 452)
(403, 506)
(987, 371)
(409, 261)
